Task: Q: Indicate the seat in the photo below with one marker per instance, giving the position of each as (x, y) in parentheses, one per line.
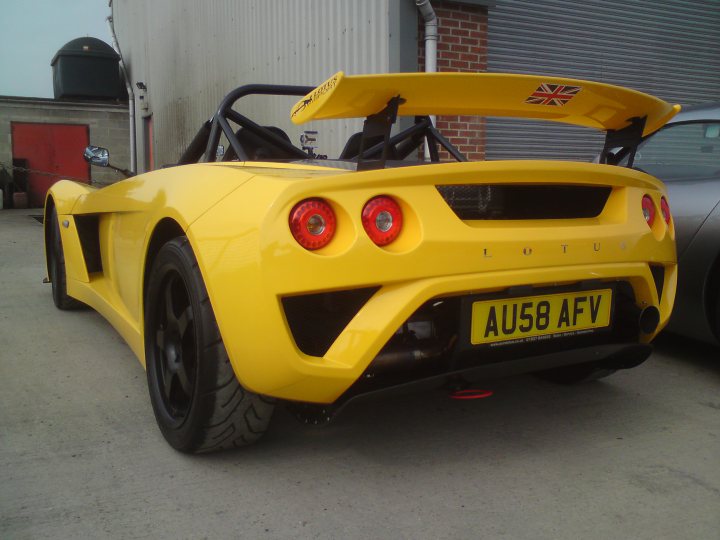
(258, 148)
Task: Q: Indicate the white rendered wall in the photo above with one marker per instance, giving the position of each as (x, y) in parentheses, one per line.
(189, 54)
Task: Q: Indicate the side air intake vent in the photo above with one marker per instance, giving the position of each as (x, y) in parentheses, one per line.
(316, 320)
(487, 201)
(88, 227)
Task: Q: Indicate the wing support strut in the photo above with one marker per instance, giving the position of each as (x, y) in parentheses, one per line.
(378, 124)
(626, 139)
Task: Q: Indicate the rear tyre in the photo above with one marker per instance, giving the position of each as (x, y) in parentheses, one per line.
(198, 402)
(56, 267)
(577, 374)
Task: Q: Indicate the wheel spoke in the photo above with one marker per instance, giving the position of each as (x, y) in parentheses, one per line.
(167, 377)
(182, 376)
(160, 338)
(174, 345)
(185, 318)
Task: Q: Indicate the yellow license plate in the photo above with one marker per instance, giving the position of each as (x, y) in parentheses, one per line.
(529, 318)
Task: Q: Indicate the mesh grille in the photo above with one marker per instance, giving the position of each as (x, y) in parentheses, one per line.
(484, 201)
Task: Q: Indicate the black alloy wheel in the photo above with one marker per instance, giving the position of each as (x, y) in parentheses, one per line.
(198, 402)
(175, 348)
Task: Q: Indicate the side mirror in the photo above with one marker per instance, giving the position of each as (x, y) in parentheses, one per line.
(97, 155)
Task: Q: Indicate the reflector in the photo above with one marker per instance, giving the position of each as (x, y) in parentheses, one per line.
(471, 393)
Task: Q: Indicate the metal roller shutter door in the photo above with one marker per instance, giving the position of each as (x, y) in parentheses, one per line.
(668, 48)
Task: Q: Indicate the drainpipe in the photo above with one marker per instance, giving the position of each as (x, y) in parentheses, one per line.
(131, 97)
(431, 33)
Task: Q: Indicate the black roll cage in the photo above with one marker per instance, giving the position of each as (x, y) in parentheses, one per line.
(205, 143)
(371, 155)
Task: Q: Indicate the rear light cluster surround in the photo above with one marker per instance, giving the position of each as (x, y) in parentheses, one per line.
(665, 210)
(382, 219)
(652, 211)
(313, 222)
(648, 210)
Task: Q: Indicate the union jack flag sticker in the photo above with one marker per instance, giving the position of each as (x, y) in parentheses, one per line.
(553, 94)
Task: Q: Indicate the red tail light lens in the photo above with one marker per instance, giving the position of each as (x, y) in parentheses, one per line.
(665, 210)
(312, 223)
(648, 209)
(382, 219)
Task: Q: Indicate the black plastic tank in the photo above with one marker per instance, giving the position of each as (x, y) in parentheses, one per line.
(87, 68)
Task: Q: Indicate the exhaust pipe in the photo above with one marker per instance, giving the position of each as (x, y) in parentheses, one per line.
(649, 320)
(632, 319)
(407, 357)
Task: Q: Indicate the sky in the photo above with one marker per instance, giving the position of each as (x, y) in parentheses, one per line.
(32, 31)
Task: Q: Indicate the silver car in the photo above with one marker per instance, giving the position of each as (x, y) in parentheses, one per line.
(685, 154)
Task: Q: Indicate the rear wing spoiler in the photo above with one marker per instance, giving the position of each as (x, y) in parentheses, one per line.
(583, 103)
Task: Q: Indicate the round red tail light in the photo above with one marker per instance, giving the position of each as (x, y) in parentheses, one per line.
(382, 219)
(665, 210)
(648, 210)
(312, 223)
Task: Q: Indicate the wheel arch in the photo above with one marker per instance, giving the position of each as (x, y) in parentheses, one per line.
(61, 197)
(165, 230)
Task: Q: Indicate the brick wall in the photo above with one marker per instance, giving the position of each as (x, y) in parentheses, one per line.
(462, 46)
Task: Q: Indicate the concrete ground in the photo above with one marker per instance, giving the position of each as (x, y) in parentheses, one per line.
(634, 456)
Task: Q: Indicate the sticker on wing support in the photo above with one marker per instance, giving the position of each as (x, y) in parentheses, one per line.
(555, 95)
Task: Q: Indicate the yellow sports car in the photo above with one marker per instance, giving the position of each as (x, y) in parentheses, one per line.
(273, 275)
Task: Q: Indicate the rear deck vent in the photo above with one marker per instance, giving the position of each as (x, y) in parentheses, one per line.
(488, 201)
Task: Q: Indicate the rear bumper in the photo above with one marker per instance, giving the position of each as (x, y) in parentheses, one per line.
(251, 264)
(270, 361)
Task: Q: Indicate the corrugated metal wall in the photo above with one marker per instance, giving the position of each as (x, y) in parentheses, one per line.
(668, 48)
(190, 54)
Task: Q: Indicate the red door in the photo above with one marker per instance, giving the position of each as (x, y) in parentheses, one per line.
(53, 150)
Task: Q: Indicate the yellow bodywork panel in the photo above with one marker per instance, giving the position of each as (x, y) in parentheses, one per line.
(127, 213)
(251, 262)
(237, 225)
(572, 101)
